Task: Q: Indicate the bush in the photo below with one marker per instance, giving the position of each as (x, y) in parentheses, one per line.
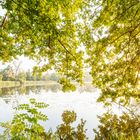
(113, 127)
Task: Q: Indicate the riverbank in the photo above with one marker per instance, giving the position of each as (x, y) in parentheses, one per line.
(4, 84)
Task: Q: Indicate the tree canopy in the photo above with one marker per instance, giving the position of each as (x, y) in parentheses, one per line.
(114, 50)
(55, 31)
(46, 31)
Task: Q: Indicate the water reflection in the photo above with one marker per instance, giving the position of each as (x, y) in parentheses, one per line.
(83, 102)
(26, 90)
(21, 90)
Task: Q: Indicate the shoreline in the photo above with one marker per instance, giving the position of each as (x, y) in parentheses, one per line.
(6, 84)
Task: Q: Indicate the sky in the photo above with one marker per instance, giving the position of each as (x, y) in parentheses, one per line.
(2, 11)
(25, 63)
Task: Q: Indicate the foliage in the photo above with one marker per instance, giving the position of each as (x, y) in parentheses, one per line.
(53, 77)
(25, 124)
(43, 30)
(113, 127)
(1, 77)
(112, 44)
(63, 33)
(21, 76)
(66, 132)
(29, 76)
(7, 73)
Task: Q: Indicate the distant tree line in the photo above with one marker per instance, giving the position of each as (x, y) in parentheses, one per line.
(8, 74)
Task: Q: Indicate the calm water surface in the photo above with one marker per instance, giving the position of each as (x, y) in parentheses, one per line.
(82, 101)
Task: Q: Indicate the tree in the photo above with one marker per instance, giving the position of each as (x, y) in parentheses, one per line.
(113, 45)
(53, 77)
(109, 31)
(66, 131)
(21, 76)
(124, 127)
(1, 77)
(29, 76)
(17, 69)
(43, 30)
(26, 125)
(8, 74)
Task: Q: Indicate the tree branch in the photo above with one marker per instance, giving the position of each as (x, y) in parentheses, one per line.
(129, 31)
(66, 49)
(3, 21)
(119, 37)
(68, 52)
(49, 41)
(136, 12)
(129, 110)
(123, 13)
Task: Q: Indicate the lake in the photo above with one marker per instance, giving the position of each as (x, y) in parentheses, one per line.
(82, 101)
